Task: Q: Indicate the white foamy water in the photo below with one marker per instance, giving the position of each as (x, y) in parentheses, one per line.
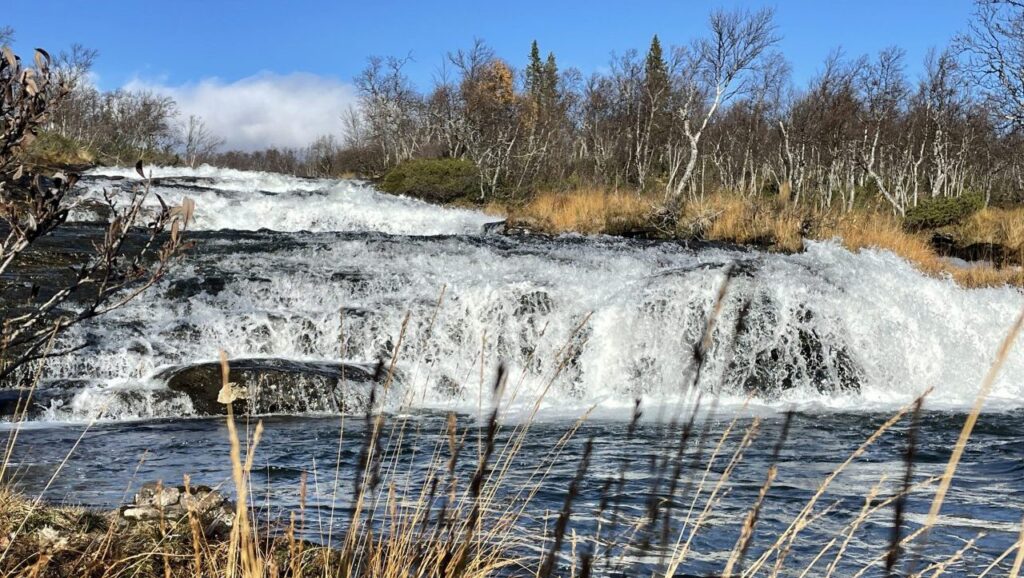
(248, 201)
(591, 321)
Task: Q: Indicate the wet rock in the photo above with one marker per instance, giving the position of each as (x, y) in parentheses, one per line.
(309, 335)
(768, 361)
(17, 401)
(188, 183)
(996, 253)
(188, 288)
(533, 303)
(155, 502)
(139, 347)
(738, 268)
(13, 402)
(97, 210)
(184, 332)
(355, 312)
(271, 386)
(639, 232)
(495, 228)
(943, 244)
(449, 388)
(354, 277)
(522, 227)
(993, 252)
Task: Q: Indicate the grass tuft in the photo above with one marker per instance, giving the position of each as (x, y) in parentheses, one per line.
(587, 211)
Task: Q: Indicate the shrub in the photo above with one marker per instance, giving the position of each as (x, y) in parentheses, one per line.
(439, 180)
(52, 149)
(939, 212)
(360, 161)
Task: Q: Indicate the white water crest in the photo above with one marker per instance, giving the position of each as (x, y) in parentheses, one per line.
(248, 201)
(583, 321)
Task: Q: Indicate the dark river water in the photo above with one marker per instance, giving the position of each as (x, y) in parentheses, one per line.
(985, 504)
(305, 279)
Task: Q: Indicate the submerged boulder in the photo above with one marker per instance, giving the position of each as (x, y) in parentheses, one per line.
(777, 350)
(15, 403)
(269, 386)
(33, 402)
(188, 288)
(495, 227)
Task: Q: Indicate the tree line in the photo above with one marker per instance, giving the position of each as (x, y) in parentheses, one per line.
(676, 122)
(720, 111)
(119, 126)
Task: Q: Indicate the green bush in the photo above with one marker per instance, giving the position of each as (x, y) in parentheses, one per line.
(51, 149)
(942, 211)
(438, 180)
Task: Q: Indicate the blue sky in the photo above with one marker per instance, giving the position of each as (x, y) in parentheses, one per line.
(182, 45)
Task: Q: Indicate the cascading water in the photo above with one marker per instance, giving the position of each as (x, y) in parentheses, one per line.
(322, 270)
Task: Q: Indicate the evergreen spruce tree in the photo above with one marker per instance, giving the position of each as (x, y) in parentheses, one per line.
(549, 86)
(654, 101)
(534, 72)
(655, 69)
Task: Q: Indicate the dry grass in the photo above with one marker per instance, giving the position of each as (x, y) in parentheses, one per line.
(476, 541)
(986, 276)
(995, 225)
(776, 226)
(468, 540)
(734, 219)
(474, 534)
(585, 211)
(875, 231)
(881, 231)
(396, 528)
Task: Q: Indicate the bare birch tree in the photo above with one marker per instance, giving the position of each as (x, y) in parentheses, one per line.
(199, 142)
(994, 49)
(721, 64)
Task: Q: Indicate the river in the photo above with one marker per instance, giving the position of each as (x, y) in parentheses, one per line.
(302, 272)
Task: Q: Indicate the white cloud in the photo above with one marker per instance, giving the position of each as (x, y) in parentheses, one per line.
(263, 110)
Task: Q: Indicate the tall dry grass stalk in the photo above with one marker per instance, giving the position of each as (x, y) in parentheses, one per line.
(1018, 562)
(787, 538)
(241, 543)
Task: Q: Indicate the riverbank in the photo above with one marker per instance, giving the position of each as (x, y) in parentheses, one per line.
(181, 533)
(985, 249)
(40, 539)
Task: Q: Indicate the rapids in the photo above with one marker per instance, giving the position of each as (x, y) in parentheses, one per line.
(326, 270)
(309, 284)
